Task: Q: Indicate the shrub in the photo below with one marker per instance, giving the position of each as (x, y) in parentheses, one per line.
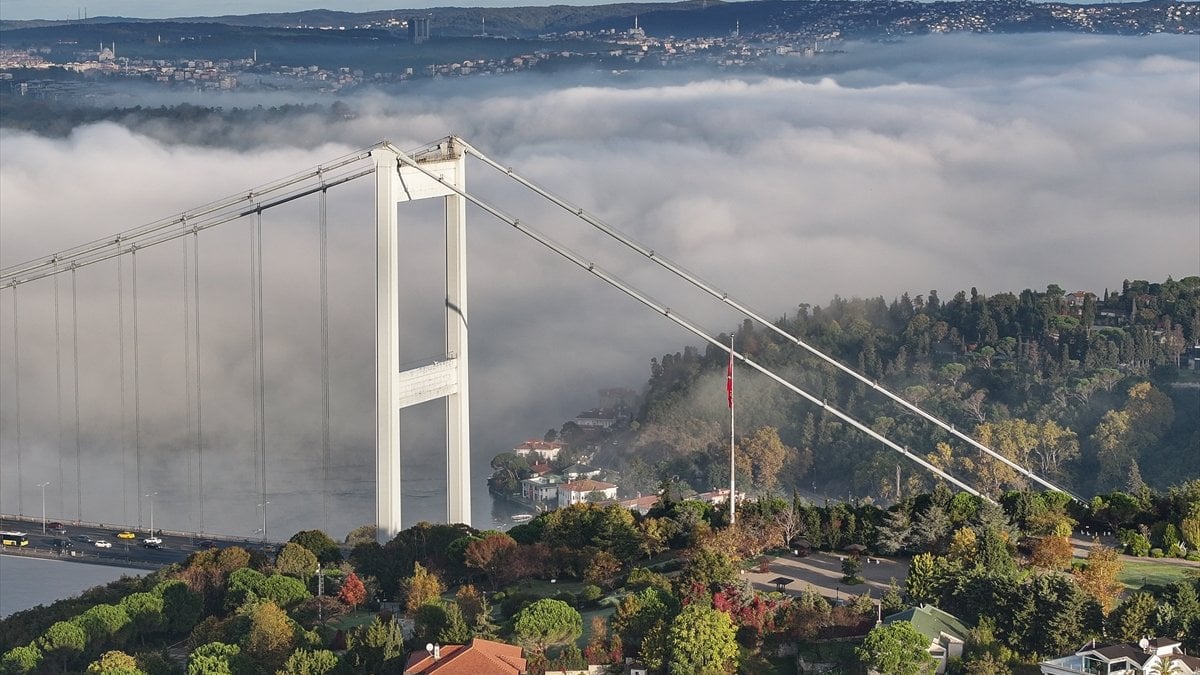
(1156, 553)
(591, 593)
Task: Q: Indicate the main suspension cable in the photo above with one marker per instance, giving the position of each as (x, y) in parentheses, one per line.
(641, 297)
(746, 311)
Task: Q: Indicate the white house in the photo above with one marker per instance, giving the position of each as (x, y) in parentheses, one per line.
(1126, 658)
(581, 491)
(547, 450)
(541, 488)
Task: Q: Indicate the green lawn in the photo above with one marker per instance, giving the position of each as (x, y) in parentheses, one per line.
(352, 620)
(1135, 575)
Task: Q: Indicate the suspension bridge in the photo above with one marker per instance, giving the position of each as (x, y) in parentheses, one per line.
(124, 275)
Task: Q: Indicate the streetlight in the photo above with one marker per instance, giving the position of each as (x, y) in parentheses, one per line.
(263, 506)
(43, 486)
(151, 496)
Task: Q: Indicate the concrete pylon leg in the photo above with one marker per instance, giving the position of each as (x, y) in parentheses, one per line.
(387, 349)
(458, 430)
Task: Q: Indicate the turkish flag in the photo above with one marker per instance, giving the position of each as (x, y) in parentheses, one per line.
(729, 376)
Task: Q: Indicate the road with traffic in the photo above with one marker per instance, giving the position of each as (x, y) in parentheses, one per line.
(79, 542)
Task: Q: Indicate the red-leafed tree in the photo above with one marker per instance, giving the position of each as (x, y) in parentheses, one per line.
(353, 592)
(491, 554)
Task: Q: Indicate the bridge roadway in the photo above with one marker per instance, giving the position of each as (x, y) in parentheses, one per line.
(175, 547)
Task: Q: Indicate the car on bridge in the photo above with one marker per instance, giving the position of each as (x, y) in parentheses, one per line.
(152, 542)
(82, 538)
(100, 543)
(57, 527)
(126, 535)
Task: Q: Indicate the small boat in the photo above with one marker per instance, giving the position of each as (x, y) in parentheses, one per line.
(522, 517)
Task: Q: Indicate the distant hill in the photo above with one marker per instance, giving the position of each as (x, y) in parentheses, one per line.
(847, 18)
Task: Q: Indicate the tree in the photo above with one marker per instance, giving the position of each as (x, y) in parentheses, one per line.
(375, 646)
(1051, 553)
(62, 642)
(421, 588)
(145, 612)
(762, 455)
(283, 591)
(471, 602)
(702, 641)
(455, 632)
(271, 636)
(708, 568)
(115, 663)
(216, 658)
(896, 649)
(491, 554)
(102, 623)
(352, 592)
(182, 607)
(429, 621)
(602, 569)
(547, 622)
(1098, 578)
(309, 662)
(325, 549)
(892, 535)
(1133, 618)
(22, 659)
(638, 614)
(363, 534)
(297, 561)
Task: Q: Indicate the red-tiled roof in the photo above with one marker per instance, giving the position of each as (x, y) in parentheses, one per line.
(586, 485)
(481, 657)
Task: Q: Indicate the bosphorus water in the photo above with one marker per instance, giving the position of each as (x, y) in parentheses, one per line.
(29, 582)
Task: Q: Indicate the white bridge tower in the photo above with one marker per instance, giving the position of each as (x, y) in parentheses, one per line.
(397, 181)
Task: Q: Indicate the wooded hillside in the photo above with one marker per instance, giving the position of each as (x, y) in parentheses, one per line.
(1091, 390)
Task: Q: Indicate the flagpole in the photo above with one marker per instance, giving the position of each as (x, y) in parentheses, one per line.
(732, 466)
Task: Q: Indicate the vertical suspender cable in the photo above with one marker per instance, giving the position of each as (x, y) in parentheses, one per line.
(58, 393)
(262, 380)
(199, 402)
(255, 279)
(187, 378)
(75, 365)
(17, 398)
(325, 358)
(137, 387)
(124, 404)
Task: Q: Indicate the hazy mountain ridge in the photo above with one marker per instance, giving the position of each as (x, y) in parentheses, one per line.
(701, 17)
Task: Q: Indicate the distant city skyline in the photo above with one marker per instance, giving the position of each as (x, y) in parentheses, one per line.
(59, 10)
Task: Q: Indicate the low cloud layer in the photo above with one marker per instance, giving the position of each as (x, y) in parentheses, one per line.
(940, 163)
